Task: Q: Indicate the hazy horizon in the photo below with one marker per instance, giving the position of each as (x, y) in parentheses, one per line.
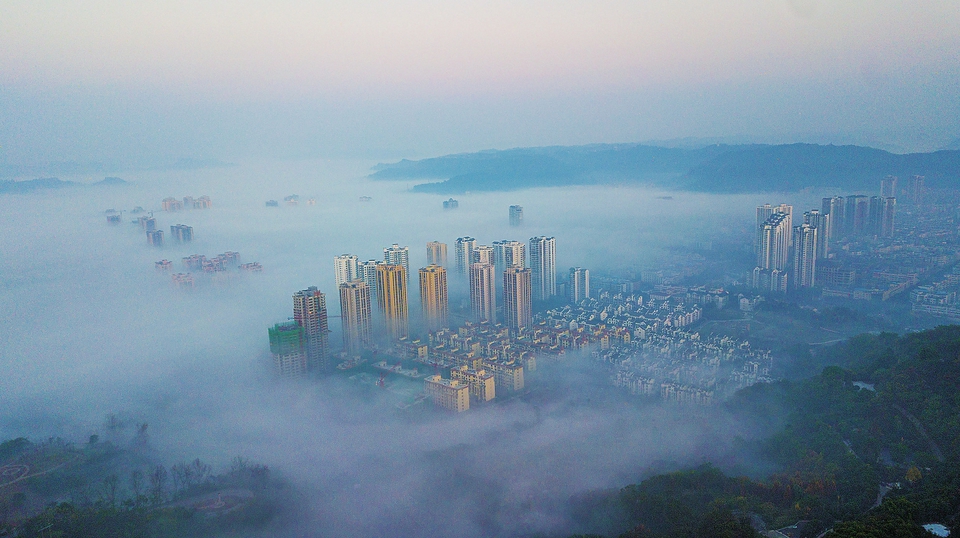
(135, 86)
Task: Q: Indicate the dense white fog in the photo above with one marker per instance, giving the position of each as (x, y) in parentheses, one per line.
(88, 327)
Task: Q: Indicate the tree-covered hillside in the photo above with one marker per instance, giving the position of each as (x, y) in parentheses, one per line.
(883, 425)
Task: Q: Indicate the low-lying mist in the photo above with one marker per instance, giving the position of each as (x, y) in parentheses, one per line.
(88, 327)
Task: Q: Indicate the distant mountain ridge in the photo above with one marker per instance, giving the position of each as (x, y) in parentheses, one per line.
(46, 183)
(714, 168)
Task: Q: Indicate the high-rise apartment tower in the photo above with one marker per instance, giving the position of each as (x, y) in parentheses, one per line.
(543, 265)
(310, 312)
(356, 315)
(517, 300)
(433, 296)
(392, 298)
(437, 253)
(345, 268)
(482, 292)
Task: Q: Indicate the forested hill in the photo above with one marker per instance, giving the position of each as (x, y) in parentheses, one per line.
(716, 168)
(884, 419)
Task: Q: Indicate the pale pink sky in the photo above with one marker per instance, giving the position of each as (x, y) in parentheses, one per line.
(598, 62)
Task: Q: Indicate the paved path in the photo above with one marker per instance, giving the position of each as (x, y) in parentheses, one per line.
(923, 433)
(26, 476)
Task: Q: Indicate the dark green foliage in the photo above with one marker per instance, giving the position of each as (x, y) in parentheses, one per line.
(896, 518)
(11, 448)
(835, 443)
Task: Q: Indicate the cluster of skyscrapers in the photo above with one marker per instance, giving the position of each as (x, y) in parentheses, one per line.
(498, 270)
(300, 346)
(787, 255)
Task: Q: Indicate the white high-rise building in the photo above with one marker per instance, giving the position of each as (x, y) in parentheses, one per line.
(464, 253)
(437, 253)
(773, 252)
(804, 256)
(356, 316)
(508, 254)
(397, 255)
(543, 265)
(821, 222)
(367, 272)
(345, 268)
(482, 292)
(482, 254)
(579, 285)
(516, 215)
(517, 303)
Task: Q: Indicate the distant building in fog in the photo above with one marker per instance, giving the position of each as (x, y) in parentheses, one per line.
(181, 233)
(155, 238)
(171, 204)
(888, 187)
(516, 215)
(579, 285)
(887, 216)
(437, 253)
(451, 204)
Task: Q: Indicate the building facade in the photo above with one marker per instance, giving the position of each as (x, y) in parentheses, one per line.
(356, 316)
(482, 385)
(437, 253)
(543, 265)
(578, 286)
(447, 393)
(517, 299)
(392, 299)
(367, 271)
(433, 296)
(346, 268)
(310, 312)
(509, 254)
(463, 249)
(482, 292)
(516, 215)
(804, 256)
(397, 255)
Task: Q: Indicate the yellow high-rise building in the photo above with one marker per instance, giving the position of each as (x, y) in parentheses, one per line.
(392, 299)
(433, 296)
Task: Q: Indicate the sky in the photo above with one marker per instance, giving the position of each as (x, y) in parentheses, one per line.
(142, 83)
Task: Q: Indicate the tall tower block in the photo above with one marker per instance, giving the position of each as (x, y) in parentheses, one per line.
(433, 296)
(392, 299)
